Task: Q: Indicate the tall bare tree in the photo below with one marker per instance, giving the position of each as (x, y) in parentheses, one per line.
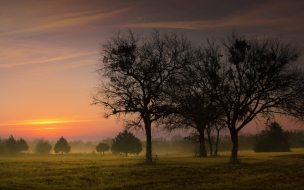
(188, 90)
(255, 78)
(133, 74)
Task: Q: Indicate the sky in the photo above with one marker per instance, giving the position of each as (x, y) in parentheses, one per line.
(49, 51)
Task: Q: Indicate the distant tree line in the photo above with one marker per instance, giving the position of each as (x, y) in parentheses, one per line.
(272, 138)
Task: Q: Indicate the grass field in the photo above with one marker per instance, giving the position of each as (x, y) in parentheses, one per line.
(85, 171)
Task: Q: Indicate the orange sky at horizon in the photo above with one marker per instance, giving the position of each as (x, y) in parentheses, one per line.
(49, 51)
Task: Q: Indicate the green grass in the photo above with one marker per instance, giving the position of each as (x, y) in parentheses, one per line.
(256, 171)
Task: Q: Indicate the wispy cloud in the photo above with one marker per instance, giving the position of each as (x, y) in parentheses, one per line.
(48, 60)
(53, 23)
(276, 14)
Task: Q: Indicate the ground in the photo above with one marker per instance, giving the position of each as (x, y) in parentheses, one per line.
(88, 171)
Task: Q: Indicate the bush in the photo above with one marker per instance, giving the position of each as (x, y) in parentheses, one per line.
(125, 142)
(43, 147)
(102, 147)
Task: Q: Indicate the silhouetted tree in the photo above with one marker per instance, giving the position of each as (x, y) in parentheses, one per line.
(62, 146)
(2, 146)
(11, 145)
(22, 145)
(255, 78)
(189, 91)
(43, 146)
(125, 142)
(133, 74)
(272, 139)
(102, 147)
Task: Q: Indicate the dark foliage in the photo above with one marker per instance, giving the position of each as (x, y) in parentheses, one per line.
(125, 142)
(102, 147)
(272, 139)
(22, 145)
(62, 146)
(296, 138)
(11, 145)
(43, 146)
(2, 147)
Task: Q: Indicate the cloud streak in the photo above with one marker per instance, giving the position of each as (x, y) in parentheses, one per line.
(259, 16)
(53, 23)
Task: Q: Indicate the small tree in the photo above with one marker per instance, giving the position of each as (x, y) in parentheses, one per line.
(22, 145)
(102, 147)
(62, 146)
(125, 142)
(11, 145)
(273, 139)
(43, 147)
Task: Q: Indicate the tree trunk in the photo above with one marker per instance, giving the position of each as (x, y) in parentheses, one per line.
(235, 143)
(203, 152)
(209, 140)
(216, 142)
(149, 142)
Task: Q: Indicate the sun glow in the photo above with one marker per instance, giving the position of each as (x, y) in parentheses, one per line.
(48, 128)
(43, 122)
(46, 122)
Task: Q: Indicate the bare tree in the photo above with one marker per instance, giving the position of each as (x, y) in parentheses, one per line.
(253, 79)
(191, 95)
(133, 74)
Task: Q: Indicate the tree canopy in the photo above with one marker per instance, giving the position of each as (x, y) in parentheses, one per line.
(62, 146)
(22, 145)
(43, 146)
(102, 147)
(11, 145)
(125, 142)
